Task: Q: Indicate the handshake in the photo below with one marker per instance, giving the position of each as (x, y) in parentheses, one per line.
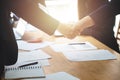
(74, 29)
(68, 30)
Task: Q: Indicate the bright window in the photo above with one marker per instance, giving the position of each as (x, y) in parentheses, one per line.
(63, 10)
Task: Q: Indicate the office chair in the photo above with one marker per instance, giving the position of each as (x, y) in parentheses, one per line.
(117, 35)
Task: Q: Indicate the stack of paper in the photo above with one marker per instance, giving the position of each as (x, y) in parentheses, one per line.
(28, 65)
(89, 55)
(32, 56)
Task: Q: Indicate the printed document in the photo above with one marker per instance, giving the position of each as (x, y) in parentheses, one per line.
(23, 45)
(32, 55)
(89, 55)
(73, 46)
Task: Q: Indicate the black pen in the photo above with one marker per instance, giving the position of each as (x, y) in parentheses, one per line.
(77, 43)
(33, 63)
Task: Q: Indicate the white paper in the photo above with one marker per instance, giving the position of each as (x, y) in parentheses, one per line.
(44, 62)
(32, 55)
(24, 72)
(77, 46)
(57, 76)
(89, 55)
(31, 46)
(20, 28)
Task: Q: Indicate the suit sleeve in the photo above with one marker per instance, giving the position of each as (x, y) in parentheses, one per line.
(105, 12)
(29, 11)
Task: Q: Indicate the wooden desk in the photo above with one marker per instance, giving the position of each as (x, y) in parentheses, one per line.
(89, 70)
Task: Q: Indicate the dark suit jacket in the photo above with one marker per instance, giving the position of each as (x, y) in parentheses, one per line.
(28, 10)
(103, 13)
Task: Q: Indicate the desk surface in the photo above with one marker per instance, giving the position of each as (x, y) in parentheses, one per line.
(86, 70)
(89, 70)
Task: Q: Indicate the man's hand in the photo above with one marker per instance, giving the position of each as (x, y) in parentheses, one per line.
(31, 37)
(67, 30)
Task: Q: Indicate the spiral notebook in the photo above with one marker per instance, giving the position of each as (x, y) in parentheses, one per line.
(33, 71)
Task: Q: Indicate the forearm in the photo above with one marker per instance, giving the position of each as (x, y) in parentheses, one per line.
(30, 12)
(84, 23)
(71, 30)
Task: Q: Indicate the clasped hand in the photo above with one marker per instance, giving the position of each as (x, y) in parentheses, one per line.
(68, 30)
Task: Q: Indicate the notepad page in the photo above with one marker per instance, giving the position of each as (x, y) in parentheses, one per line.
(24, 72)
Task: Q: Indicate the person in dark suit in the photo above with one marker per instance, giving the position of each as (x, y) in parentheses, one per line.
(29, 11)
(97, 18)
(8, 46)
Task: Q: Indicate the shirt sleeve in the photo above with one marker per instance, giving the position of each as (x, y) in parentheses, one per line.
(29, 11)
(19, 30)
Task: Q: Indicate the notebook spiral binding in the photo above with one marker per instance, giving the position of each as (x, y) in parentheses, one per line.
(22, 68)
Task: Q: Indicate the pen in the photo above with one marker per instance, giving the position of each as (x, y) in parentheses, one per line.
(77, 43)
(33, 63)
